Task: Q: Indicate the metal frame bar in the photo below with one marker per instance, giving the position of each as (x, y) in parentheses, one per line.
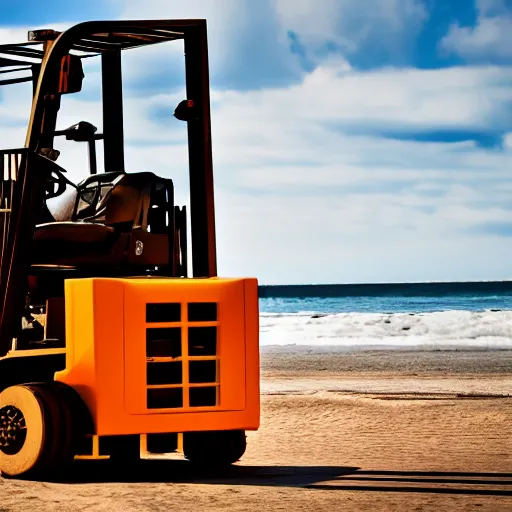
(10, 81)
(28, 192)
(112, 96)
(202, 208)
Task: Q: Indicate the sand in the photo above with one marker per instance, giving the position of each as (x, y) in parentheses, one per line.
(362, 431)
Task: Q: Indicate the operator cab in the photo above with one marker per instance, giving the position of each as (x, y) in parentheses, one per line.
(113, 223)
(112, 218)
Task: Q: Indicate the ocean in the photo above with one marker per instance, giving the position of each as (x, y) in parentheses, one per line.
(408, 316)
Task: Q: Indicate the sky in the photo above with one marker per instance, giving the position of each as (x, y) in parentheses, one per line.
(355, 141)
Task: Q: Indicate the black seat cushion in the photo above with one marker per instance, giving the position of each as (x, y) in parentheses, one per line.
(115, 216)
(72, 232)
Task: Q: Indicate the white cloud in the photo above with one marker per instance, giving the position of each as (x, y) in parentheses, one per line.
(12, 35)
(299, 201)
(349, 239)
(390, 99)
(307, 190)
(249, 43)
(492, 7)
(490, 38)
(247, 48)
(19, 34)
(354, 24)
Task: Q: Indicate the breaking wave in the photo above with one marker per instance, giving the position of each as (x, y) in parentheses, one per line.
(443, 330)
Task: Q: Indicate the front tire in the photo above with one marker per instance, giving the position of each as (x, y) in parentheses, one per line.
(39, 434)
(30, 431)
(214, 449)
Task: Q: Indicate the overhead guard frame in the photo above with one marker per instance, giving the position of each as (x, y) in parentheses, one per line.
(108, 39)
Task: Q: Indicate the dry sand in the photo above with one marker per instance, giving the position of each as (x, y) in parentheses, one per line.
(364, 431)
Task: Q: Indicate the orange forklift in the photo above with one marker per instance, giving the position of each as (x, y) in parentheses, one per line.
(108, 348)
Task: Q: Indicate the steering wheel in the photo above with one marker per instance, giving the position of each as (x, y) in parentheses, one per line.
(56, 184)
(56, 181)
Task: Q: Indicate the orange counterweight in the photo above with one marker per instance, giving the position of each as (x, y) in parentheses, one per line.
(158, 355)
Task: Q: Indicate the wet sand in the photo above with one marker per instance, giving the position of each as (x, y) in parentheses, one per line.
(293, 359)
(363, 431)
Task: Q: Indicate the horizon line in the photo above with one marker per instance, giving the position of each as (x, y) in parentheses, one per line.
(491, 281)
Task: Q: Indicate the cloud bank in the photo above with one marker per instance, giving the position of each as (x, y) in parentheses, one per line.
(328, 169)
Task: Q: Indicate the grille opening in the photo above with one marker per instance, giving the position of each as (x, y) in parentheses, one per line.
(163, 312)
(171, 398)
(203, 397)
(162, 443)
(164, 373)
(202, 372)
(163, 342)
(202, 312)
(202, 341)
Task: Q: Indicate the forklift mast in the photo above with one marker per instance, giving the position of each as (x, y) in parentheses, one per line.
(52, 61)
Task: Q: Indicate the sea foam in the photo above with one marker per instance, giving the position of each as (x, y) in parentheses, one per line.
(444, 330)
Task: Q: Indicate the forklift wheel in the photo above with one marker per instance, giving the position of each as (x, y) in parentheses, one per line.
(214, 449)
(33, 430)
(72, 420)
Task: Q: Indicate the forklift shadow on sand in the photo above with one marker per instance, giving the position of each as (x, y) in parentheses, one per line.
(107, 344)
(319, 478)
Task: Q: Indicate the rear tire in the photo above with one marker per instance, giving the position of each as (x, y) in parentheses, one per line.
(214, 449)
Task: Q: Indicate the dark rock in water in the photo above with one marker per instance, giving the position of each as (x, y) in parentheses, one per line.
(318, 316)
(387, 321)
(412, 314)
(406, 328)
(496, 310)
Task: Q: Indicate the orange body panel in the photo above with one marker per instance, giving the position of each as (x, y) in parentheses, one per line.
(179, 369)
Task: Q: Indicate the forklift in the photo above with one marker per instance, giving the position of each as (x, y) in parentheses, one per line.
(109, 349)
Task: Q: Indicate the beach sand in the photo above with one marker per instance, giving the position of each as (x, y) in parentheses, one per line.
(379, 431)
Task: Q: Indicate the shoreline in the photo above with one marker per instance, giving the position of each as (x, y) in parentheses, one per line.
(302, 359)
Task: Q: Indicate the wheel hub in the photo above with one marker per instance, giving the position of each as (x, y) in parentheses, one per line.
(13, 430)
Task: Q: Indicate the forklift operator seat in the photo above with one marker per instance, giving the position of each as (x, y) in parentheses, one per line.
(106, 219)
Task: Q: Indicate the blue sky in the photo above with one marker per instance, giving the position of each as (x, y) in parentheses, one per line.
(35, 12)
(354, 140)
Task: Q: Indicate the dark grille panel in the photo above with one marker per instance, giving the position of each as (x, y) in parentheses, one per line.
(202, 312)
(164, 312)
(186, 365)
(164, 373)
(169, 398)
(202, 341)
(163, 342)
(201, 397)
(202, 371)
